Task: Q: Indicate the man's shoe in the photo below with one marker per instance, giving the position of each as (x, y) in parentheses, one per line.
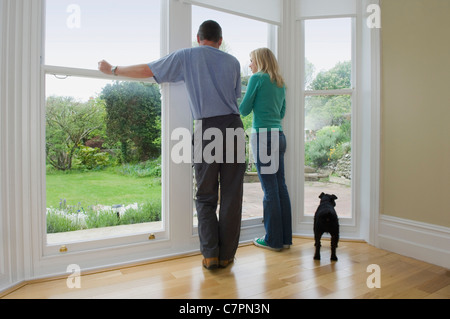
(260, 242)
(211, 263)
(225, 263)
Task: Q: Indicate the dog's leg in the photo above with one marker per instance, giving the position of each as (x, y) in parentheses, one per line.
(317, 237)
(334, 244)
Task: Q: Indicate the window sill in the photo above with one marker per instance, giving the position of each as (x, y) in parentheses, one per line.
(102, 233)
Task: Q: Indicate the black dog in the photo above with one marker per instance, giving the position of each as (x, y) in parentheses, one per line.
(326, 221)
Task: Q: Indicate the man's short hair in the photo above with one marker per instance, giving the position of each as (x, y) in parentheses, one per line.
(210, 30)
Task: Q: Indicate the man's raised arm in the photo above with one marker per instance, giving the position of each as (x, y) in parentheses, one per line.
(139, 71)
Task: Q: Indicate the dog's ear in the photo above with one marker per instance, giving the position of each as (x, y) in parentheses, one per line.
(321, 195)
(334, 197)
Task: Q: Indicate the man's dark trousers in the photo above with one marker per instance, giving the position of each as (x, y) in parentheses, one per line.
(219, 235)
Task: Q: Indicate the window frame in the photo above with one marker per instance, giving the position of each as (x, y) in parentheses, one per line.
(173, 95)
(22, 190)
(272, 44)
(365, 122)
(3, 277)
(49, 250)
(352, 92)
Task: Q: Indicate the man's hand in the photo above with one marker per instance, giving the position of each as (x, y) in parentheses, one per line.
(105, 67)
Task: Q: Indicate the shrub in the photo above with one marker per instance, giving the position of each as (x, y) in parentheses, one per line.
(71, 218)
(148, 212)
(92, 158)
(101, 219)
(322, 149)
(59, 223)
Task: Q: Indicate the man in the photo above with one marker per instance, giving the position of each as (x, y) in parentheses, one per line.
(213, 82)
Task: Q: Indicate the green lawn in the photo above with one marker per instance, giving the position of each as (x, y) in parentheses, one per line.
(100, 187)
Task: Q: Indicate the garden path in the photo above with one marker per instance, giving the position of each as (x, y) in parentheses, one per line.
(253, 196)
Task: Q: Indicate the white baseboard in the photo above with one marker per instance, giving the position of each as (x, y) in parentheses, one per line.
(422, 241)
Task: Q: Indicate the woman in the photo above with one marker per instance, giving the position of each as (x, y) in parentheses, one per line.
(266, 97)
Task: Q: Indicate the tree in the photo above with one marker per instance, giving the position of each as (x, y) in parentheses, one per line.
(327, 110)
(339, 77)
(324, 110)
(68, 123)
(328, 117)
(309, 72)
(134, 119)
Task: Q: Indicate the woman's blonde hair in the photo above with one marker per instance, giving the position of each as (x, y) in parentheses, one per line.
(267, 63)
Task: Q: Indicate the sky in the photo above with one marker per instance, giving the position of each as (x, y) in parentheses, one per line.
(328, 41)
(79, 33)
(242, 35)
(127, 31)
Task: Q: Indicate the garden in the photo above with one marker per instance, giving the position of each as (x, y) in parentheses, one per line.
(104, 156)
(328, 123)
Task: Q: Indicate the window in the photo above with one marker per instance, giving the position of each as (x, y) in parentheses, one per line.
(328, 103)
(103, 134)
(30, 78)
(80, 33)
(241, 36)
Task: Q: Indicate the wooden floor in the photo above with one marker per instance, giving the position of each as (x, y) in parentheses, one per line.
(259, 273)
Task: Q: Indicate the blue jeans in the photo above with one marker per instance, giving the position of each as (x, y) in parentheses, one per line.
(269, 149)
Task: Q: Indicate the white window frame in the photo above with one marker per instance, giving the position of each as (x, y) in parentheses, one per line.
(177, 237)
(100, 243)
(352, 92)
(3, 270)
(22, 137)
(365, 113)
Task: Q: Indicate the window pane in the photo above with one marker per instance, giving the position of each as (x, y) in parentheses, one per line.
(240, 37)
(103, 156)
(328, 52)
(81, 33)
(328, 144)
(328, 66)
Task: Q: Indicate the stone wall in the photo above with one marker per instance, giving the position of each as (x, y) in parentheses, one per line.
(343, 167)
